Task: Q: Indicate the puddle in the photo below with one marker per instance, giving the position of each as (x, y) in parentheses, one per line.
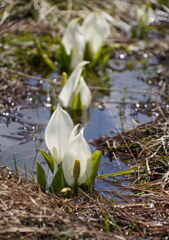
(22, 128)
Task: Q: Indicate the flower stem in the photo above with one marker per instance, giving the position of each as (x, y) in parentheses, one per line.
(76, 188)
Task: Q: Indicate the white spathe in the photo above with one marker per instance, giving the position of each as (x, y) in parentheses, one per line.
(145, 16)
(57, 134)
(74, 42)
(85, 93)
(77, 149)
(96, 30)
(74, 85)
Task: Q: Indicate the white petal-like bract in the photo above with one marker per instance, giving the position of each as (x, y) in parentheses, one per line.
(57, 133)
(74, 42)
(78, 149)
(69, 90)
(68, 39)
(77, 55)
(145, 16)
(85, 94)
(96, 30)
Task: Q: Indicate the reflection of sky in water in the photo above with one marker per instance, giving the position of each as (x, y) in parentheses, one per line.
(22, 131)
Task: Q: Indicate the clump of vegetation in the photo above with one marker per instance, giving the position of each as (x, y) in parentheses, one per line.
(71, 161)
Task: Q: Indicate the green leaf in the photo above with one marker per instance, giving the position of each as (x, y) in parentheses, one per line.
(58, 182)
(97, 57)
(124, 172)
(41, 176)
(43, 55)
(96, 158)
(77, 104)
(48, 61)
(165, 2)
(105, 60)
(49, 160)
(87, 54)
(101, 57)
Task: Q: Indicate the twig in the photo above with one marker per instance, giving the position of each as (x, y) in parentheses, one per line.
(90, 86)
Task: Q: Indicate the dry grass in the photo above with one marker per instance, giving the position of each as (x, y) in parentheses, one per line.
(28, 213)
(145, 147)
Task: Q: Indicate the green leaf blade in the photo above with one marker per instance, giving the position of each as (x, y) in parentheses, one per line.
(96, 158)
(41, 176)
(124, 172)
(58, 182)
(48, 159)
(49, 63)
(77, 104)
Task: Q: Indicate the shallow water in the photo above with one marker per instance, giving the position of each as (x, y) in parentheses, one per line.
(22, 128)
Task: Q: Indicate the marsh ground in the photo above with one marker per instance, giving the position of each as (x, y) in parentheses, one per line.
(139, 64)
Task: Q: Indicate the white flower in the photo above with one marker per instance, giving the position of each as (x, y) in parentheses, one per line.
(74, 42)
(57, 134)
(74, 86)
(96, 30)
(85, 94)
(77, 162)
(145, 16)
